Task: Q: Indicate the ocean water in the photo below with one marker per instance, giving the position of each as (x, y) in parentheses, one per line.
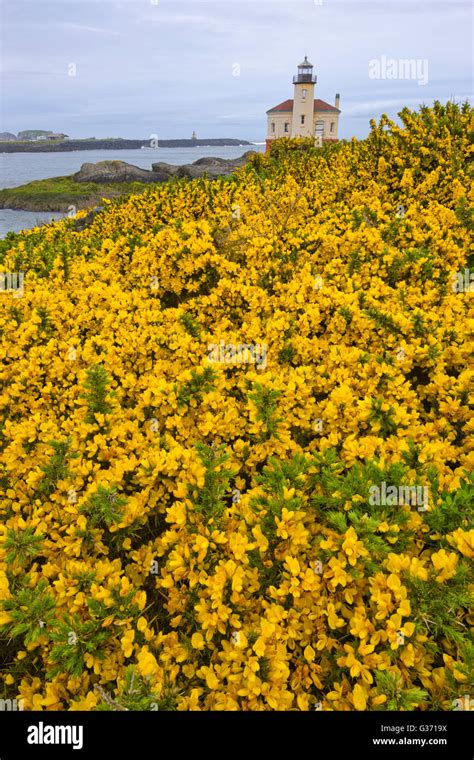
(19, 168)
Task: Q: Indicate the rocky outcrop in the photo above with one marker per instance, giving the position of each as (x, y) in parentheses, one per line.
(209, 166)
(106, 172)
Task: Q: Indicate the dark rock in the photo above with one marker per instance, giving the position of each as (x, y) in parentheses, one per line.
(117, 171)
(209, 166)
(169, 169)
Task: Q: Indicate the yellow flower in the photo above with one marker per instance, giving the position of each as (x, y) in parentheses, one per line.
(292, 565)
(309, 653)
(127, 642)
(352, 547)
(147, 664)
(445, 563)
(358, 696)
(197, 641)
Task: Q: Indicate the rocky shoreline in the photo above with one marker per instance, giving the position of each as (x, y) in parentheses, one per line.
(109, 179)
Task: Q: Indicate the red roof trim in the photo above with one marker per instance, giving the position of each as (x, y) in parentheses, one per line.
(319, 105)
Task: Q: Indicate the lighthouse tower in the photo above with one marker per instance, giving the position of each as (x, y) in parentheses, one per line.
(303, 101)
(304, 115)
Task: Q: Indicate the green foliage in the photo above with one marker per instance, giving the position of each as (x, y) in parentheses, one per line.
(209, 499)
(22, 545)
(455, 510)
(74, 638)
(202, 381)
(190, 325)
(266, 401)
(440, 607)
(398, 698)
(277, 476)
(31, 611)
(135, 694)
(383, 320)
(97, 394)
(384, 417)
(57, 468)
(104, 507)
(59, 193)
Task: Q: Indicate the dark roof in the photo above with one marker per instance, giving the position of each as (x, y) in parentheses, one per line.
(319, 105)
(305, 62)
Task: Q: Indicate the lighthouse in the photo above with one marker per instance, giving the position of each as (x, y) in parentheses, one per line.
(304, 115)
(303, 100)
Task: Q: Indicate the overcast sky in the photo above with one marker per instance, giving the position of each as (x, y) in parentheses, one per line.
(168, 67)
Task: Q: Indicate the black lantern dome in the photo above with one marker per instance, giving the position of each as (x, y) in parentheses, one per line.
(305, 73)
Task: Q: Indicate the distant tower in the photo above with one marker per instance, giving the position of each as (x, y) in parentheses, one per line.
(194, 136)
(303, 101)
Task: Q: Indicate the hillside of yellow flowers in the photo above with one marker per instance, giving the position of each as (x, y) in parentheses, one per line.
(236, 437)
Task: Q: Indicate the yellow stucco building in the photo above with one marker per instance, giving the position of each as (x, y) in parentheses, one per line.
(304, 116)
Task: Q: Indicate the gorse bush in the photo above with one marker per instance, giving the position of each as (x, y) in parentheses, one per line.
(289, 525)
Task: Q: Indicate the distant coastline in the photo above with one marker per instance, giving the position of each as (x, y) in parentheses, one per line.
(30, 146)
